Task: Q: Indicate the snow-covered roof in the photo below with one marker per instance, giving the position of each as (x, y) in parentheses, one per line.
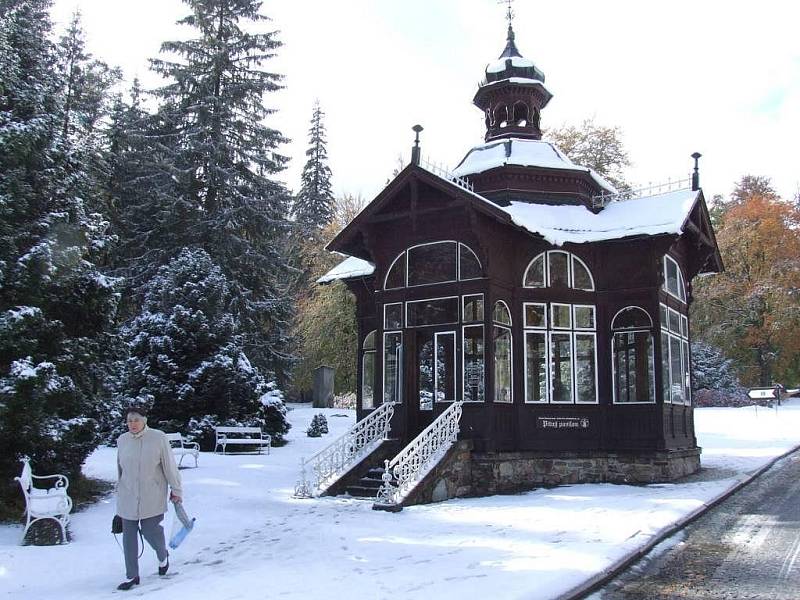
(650, 215)
(525, 153)
(516, 61)
(349, 267)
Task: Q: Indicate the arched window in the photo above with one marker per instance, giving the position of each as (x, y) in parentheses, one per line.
(673, 279)
(633, 356)
(502, 352)
(501, 116)
(557, 268)
(520, 114)
(368, 371)
(432, 263)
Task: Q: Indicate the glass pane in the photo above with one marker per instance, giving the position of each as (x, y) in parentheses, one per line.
(684, 326)
(664, 322)
(585, 389)
(470, 267)
(369, 341)
(445, 367)
(561, 367)
(473, 308)
(671, 275)
(393, 316)
(584, 317)
(392, 349)
(674, 322)
(397, 274)
(631, 317)
(687, 383)
(367, 379)
(432, 312)
(582, 280)
(633, 364)
(432, 263)
(561, 317)
(665, 362)
(676, 368)
(558, 269)
(534, 276)
(502, 365)
(426, 374)
(500, 314)
(473, 364)
(535, 367)
(535, 315)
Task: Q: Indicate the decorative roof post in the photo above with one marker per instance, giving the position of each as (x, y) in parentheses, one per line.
(415, 153)
(696, 175)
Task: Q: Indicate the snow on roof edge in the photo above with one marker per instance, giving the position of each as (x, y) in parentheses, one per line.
(350, 267)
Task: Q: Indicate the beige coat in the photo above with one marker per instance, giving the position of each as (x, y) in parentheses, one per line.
(145, 464)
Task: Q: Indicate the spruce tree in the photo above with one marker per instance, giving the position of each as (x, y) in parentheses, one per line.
(187, 360)
(212, 163)
(314, 205)
(56, 307)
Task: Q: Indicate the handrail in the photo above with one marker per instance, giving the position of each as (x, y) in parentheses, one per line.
(602, 200)
(419, 456)
(333, 461)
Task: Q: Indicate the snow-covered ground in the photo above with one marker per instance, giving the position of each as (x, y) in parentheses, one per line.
(253, 540)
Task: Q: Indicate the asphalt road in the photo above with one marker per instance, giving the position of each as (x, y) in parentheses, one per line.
(747, 547)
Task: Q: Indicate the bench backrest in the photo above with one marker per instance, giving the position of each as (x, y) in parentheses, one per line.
(26, 477)
(175, 438)
(243, 430)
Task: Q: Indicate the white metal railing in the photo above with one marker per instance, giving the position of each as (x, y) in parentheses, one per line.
(440, 171)
(333, 461)
(602, 200)
(420, 456)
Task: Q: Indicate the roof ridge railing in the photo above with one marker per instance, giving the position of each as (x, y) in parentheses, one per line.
(442, 172)
(671, 185)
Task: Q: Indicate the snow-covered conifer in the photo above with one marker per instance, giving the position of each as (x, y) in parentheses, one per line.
(314, 205)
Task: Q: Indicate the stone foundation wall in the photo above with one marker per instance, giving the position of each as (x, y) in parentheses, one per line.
(463, 472)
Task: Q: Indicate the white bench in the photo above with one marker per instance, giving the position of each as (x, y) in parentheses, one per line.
(252, 437)
(181, 447)
(45, 503)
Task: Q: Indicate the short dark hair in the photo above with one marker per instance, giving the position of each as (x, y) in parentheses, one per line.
(139, 410)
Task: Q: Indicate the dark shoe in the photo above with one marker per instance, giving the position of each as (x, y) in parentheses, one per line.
(163, 570)
(126, 585)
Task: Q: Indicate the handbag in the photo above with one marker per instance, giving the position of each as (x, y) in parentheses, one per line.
(116, 524)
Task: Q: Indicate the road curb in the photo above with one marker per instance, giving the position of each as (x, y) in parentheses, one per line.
(596, 582)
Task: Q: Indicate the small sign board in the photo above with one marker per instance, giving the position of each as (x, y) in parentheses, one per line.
(562, 423)
(763, 393)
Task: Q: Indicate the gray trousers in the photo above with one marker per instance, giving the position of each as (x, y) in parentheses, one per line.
(152, 531)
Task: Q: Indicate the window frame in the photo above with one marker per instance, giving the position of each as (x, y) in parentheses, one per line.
(667, 334)
(408, 302)
(405, 257)
(366, 352)
(546, 277)
(386, 327)
(463, 362)
(399, 399)
(652, 382)
(547, 331)
(681, 281)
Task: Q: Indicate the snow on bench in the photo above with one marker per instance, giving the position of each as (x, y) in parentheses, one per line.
(45, 503)
(181, 447)
(252, 437)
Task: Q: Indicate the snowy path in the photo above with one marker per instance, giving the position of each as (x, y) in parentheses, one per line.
(254, 541)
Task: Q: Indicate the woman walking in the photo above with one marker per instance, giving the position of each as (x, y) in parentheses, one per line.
(145, 465)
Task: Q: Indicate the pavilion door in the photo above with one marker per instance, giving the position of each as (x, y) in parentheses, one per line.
(435, 375)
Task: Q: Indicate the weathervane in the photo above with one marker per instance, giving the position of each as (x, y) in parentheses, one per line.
(510, 13)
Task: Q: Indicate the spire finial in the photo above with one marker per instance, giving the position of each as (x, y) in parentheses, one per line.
(509, 12)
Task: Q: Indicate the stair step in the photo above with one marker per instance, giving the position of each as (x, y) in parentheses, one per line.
(370, 483)
(376, 473)
(362, 492)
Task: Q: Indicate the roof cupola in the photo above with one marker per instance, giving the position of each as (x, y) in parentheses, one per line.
(512, 94)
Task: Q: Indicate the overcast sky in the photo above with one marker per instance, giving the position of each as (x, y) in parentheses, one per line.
(718, 77)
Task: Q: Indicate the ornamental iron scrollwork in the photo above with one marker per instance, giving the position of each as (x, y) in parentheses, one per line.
(336, 459)
(424, 452)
